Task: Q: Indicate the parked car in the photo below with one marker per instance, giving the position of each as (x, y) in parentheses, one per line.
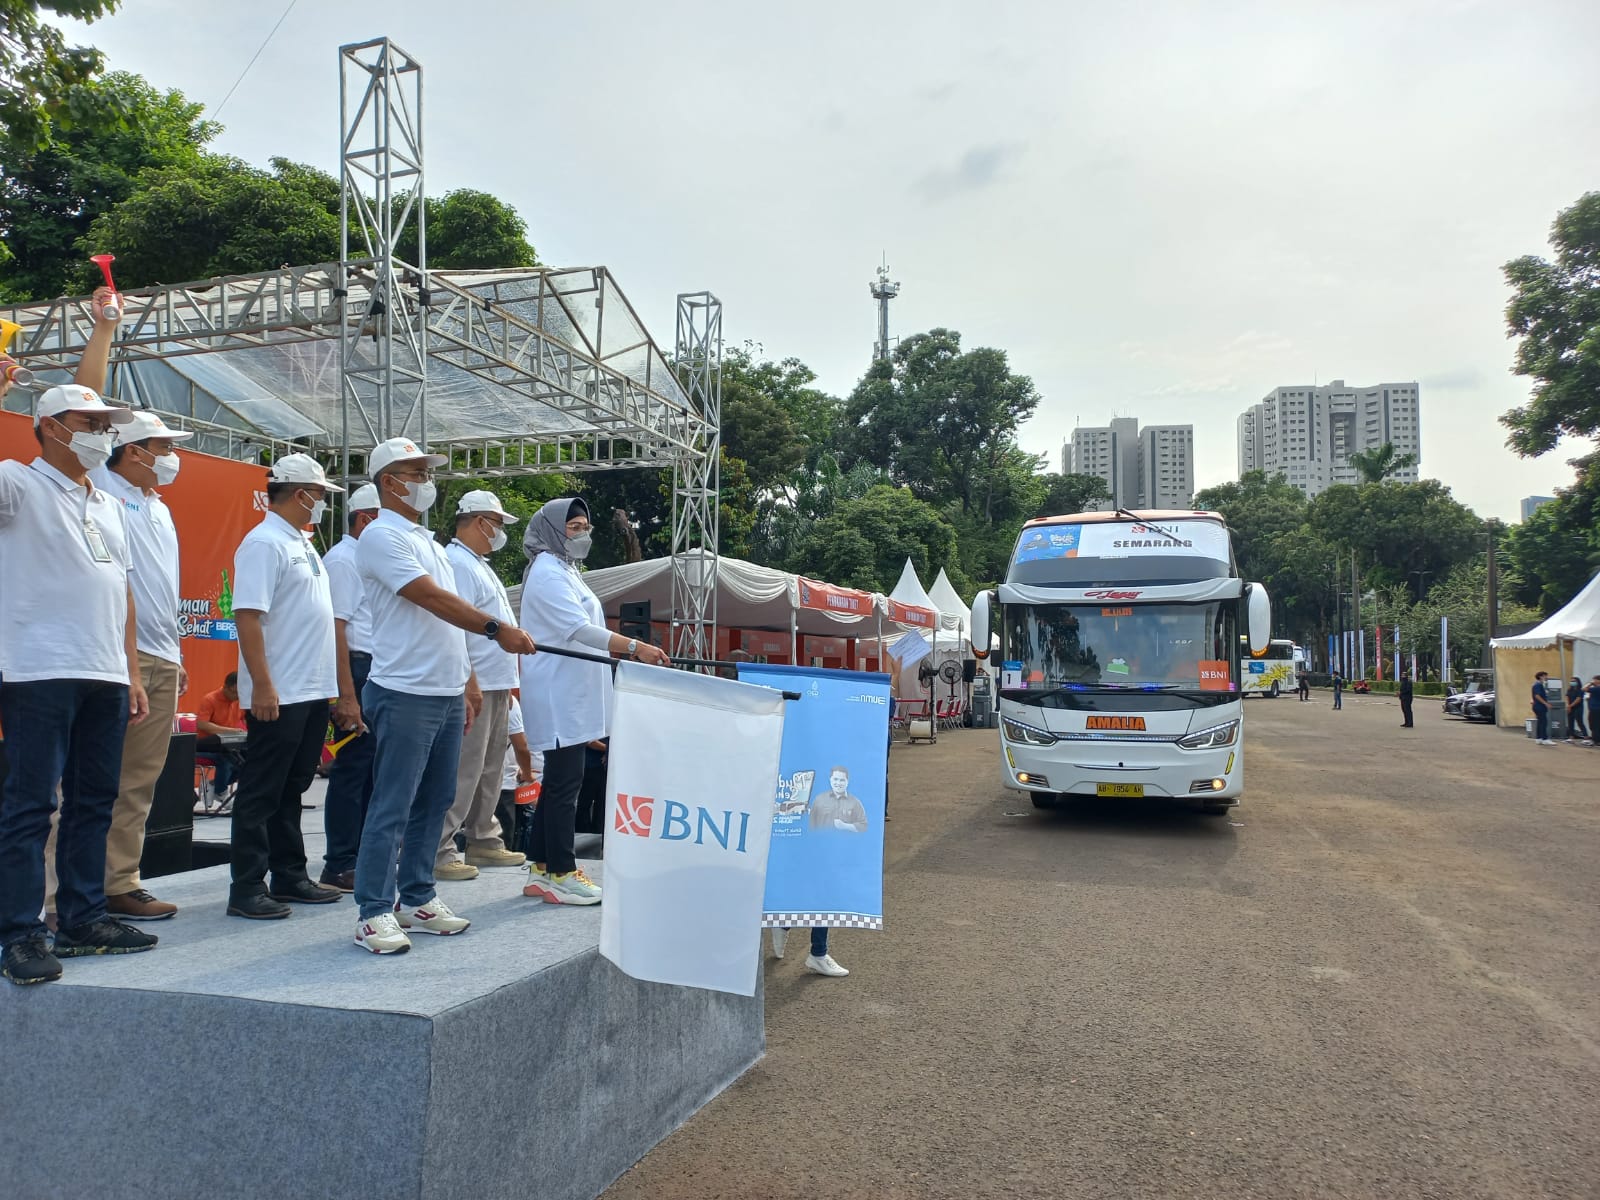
(1478, 684)
(1479, 706)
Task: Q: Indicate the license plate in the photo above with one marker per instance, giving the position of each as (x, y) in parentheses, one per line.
(1119, 789)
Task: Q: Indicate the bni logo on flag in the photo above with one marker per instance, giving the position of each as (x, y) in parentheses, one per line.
(636, 818)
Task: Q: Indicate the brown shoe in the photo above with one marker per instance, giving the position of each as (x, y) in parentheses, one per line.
(139, 905)
(345, 881)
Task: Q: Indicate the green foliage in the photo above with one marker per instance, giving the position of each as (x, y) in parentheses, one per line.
(866, 541)
(51, 194)
(467, 230)
(1066, 494)
(1257, 510)
(1377, 464)
(1402, 533)
(1555, 552)
(1555, 312)
(40, 75)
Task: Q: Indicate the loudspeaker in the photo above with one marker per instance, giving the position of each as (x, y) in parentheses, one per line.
(634, 620)
(969, 670)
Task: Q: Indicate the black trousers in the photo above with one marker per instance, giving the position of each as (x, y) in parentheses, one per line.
(1575, 725)
(1405, 709)
(280, 761)
(555, 817)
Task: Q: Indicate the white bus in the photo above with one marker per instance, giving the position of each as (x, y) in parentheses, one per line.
(1119, 662)
(1272, 672)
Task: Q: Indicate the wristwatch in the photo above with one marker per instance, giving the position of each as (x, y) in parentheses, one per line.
(491, 629)
(633, 647)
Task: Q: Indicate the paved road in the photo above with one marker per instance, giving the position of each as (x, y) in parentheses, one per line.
(1376, 979)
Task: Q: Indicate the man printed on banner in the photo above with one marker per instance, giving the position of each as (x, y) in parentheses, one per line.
(70, 684)
(836, 808)
(420, 699)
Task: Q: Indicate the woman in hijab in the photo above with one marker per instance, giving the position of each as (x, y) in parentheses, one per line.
(566, 703)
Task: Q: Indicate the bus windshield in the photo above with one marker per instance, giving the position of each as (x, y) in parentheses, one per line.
(1142, 648)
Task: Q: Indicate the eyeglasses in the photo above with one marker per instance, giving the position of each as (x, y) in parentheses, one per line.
(578, 526)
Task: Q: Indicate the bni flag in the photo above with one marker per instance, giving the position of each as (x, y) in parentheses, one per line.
(689, 821)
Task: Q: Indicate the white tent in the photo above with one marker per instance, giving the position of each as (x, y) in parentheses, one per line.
(948, 600)
(1565, 645)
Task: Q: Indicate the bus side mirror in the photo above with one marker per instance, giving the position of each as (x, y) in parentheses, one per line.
(980, 624)
(1258, 615)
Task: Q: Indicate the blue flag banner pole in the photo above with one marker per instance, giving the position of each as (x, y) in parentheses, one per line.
(825, 866)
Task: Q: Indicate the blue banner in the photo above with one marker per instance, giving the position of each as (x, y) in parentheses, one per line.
(826, 862)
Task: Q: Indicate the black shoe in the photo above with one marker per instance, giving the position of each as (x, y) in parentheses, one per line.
(303, 891)
(257, 907)
(105, 936)
(30, 961)
(345, 881)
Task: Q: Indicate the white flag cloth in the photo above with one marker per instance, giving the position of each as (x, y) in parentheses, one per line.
(689, 803)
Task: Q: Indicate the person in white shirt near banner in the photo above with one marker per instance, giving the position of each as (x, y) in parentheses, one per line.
(344, 808)
(418, 701)
(480, 530)
(69, 684)
(142, 461)
(286, 678)
(566, 703)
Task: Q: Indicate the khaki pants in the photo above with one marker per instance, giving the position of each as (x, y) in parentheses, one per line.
(483, 756)
(144, 754)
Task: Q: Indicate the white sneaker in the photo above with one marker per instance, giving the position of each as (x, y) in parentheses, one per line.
(382, 935)
(433, 917)
(824, 965)
(572, 888)
(779, 937)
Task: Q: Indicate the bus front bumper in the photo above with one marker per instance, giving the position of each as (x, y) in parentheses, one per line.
(1129, 772)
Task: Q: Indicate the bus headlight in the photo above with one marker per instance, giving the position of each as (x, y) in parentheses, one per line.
(1209, 739)
(1027, 735)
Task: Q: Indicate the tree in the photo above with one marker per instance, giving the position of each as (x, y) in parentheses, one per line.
(1377, 464)
(1555, 311)
(468, 230)
(1554, 553)
(40, 75)
(867, 540)
(1257, 509)
(1404, 534)
(1064, 494)
(51, 194)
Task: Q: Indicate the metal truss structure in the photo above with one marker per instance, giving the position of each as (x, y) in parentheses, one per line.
(697, 482)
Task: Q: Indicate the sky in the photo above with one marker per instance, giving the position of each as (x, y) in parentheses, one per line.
(1159, 209)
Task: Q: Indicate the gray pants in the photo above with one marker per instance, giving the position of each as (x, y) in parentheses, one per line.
(483, 756)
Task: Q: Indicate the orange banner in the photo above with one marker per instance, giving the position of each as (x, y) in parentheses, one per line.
(828, 598)
(214, 503)
(910, 614)
(1214, 675)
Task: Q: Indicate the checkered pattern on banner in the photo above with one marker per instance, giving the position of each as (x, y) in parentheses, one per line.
(832, 920)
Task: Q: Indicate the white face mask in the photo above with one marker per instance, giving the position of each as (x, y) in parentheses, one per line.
(317, 511)
(420, 496)
(578, 547)
(92, 449)
(497, 540)
(166, 468)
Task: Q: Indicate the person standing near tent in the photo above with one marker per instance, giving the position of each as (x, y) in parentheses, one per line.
(1592, 693)
(1541, 710)
(1577, 731)
(566, 703)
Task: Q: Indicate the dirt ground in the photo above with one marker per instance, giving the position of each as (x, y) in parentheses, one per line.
(1376, 978)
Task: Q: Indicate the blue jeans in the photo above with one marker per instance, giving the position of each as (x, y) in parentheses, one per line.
(349, 786)
(418, 744)
(66, 731)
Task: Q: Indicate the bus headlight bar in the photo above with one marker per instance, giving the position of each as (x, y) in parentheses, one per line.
(1209, 739)
(1027, 735)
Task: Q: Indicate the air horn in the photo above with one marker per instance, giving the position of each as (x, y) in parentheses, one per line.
(111, 310)
(11, 370)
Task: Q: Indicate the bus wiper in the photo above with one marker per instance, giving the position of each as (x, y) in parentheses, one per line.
(1152, 528)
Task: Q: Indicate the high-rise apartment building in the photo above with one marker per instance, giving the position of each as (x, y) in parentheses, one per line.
(1307, 434)
(1152, 468)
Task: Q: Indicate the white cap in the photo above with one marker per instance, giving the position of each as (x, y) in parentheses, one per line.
(400, 450)
(364, 499)
(70, 397)
(147, 424)
(300, 468)
(484, 502)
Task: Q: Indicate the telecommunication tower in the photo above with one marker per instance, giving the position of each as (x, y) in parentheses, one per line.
(883, 291)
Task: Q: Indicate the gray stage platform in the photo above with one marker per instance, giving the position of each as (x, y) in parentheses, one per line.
(270, 1059)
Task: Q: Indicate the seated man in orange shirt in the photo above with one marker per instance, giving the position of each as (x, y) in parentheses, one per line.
(219, 713)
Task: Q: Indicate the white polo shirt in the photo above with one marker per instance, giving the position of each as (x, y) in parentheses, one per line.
(479, 586)
(413, 651)
(153, 550)
(279, 574)
(349, 594)
(63, 613)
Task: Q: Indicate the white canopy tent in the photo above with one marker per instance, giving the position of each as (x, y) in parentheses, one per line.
(1565, 644)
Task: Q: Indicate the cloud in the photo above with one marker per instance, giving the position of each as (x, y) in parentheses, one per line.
(1196, 387)
(1456, 379)
(977, 169)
